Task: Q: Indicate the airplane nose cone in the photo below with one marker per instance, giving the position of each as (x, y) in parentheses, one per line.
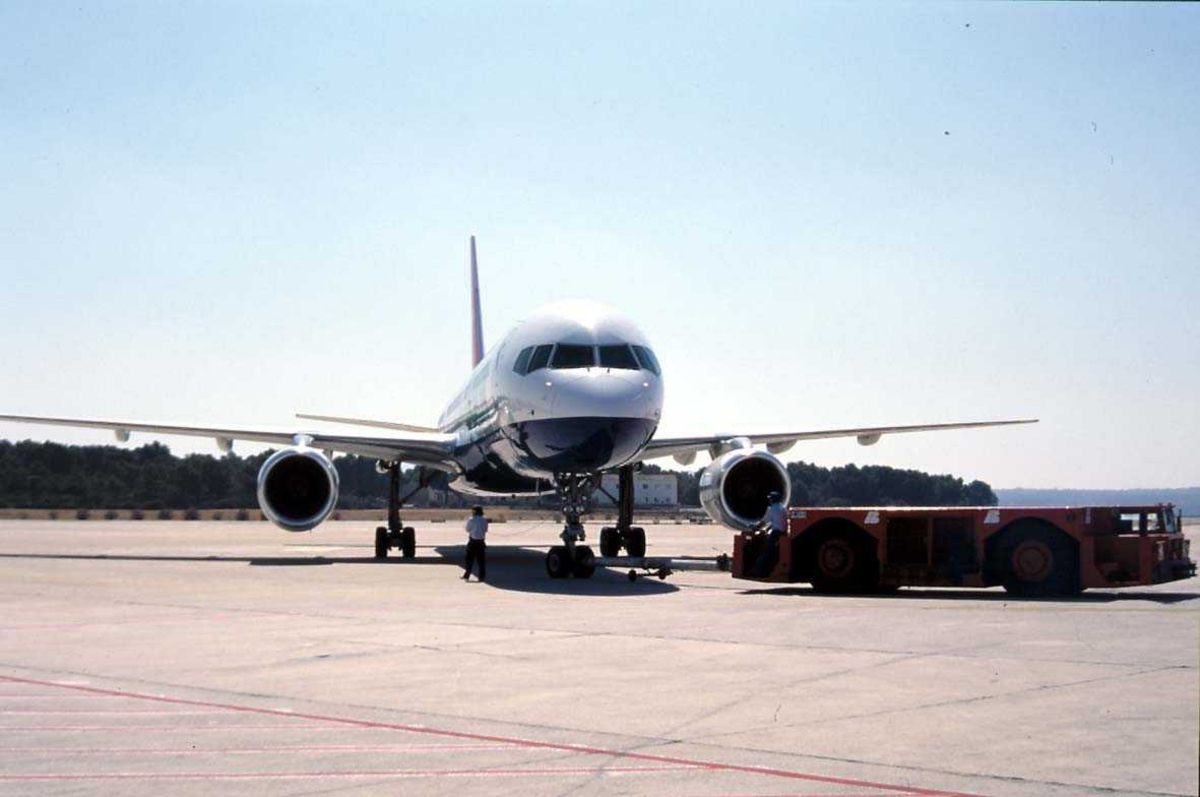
(583, 445)
(601, 393)
(597, 420)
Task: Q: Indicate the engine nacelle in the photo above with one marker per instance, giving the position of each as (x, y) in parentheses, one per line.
(297, 488)
(734, 488)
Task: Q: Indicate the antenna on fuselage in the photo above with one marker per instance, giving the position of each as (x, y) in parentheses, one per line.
(476, 321)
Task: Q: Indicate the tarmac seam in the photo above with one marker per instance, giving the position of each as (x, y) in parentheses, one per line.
(825, 648)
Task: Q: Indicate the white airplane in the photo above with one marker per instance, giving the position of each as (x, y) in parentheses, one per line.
(569, 394)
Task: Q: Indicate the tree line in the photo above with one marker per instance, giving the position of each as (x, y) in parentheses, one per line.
(56, 476)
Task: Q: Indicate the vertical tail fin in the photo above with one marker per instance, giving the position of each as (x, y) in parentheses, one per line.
(476, 321)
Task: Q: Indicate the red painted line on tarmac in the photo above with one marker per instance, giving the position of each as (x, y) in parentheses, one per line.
(305, 748)
(44, 696)
(87, 624)
(172, 728)
(482, 772)
(33, 712)
(528, 743)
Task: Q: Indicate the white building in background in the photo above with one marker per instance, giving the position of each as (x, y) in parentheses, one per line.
(649, 489)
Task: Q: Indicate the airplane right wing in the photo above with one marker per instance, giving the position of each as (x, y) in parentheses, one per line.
(684, 449)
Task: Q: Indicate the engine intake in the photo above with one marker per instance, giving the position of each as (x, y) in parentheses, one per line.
(297, 488)
(734, 488)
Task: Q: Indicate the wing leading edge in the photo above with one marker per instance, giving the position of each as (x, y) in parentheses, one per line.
(434, 451)
(684, 449)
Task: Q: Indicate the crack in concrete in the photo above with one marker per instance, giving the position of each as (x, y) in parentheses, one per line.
(944, 703)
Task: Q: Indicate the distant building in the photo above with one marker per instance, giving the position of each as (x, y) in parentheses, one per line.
(649, 489)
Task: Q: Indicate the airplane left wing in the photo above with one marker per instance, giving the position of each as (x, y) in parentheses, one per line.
(684, 449)
(434, 451)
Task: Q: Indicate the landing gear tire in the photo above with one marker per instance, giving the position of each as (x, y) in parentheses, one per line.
(558, 562)
(635, 543)
(381, 542)
(585, 562)
(408, 542)
(610, 541)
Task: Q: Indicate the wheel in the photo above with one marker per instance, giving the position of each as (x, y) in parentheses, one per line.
(585, 562)
(408, 542)
(635, 543)
(558, 562)
(841, 563)
(381, 542)
(610, 542)
(1038, 561)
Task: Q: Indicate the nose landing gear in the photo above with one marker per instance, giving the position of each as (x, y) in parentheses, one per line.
(570, 558)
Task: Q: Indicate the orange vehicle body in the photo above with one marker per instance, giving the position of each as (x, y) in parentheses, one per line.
(1029, 550)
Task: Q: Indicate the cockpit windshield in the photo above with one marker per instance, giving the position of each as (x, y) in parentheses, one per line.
(567, 355)
(617, 357)
(575, 355)
(647, 359)
(540, 358)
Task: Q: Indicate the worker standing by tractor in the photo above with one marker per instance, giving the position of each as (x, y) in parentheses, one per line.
(774, 523)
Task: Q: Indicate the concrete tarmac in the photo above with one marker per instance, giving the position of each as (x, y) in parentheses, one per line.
(145, 658)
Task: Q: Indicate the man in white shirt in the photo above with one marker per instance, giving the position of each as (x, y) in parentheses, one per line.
(775, 521)
(477, 527)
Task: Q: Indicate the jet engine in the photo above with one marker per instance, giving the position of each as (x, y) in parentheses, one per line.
(297, 488)
(734, 488)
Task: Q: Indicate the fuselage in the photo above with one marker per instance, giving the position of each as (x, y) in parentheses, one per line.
(573, 389)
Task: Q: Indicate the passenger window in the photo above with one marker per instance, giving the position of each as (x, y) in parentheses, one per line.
(523, 360)
(570, 356)
(617, 357)
(540, 358)
(647, 359)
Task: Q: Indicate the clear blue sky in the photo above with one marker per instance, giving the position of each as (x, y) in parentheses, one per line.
(823, 215)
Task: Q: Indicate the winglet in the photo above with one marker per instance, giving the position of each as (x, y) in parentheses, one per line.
(476, 321)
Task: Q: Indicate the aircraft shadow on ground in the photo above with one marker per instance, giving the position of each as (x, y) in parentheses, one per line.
(509, 568)
(523, 570)
(959, 594)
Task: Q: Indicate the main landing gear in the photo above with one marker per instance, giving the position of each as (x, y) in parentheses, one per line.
(624, 534)
(395, 534)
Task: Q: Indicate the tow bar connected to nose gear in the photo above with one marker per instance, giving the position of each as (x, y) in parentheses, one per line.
(664, 566)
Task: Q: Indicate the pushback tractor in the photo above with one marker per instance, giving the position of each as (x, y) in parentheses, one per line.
(1029, 551)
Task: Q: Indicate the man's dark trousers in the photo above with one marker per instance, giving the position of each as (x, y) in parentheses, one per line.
(477, 552)
(769, 556)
